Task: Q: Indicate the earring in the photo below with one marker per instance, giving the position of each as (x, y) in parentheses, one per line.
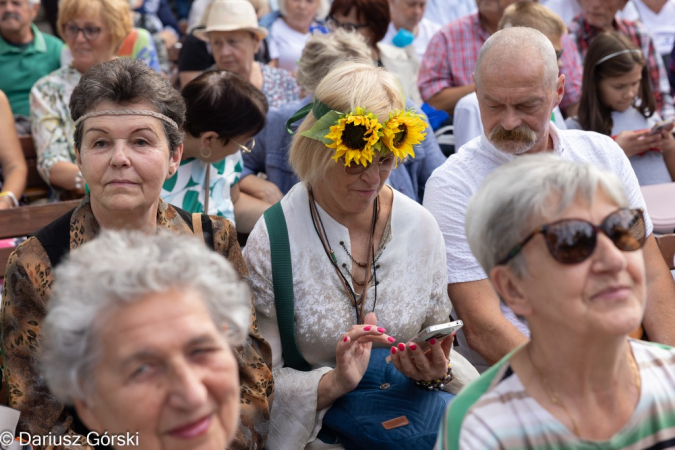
(205, 152)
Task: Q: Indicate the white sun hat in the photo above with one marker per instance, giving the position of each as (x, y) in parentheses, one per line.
(231, 15)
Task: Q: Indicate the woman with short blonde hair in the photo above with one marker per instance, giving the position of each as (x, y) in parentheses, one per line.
(368, 263)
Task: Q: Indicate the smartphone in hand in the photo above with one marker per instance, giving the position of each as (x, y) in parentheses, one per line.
(438, 332)
(660, 126)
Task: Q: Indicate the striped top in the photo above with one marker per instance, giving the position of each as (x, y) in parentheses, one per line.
(495, 411)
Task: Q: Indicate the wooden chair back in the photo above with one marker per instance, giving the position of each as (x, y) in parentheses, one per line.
(666, 244)
(36, 187)
(24, 220)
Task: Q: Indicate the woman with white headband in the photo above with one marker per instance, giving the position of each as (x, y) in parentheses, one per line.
(128, 141)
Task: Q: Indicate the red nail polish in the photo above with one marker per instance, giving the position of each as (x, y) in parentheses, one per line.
(345, 339)
(413, 347)
(366, 329)
(391, 339)
(393, 350)
(432, 341)
(381, 330)
(401, 347)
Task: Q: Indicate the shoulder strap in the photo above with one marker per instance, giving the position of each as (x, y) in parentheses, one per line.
(282, 279)
(203, 227)
(55, 238)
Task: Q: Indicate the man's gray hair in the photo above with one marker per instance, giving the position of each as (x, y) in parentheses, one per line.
(510, 45)
(323, 51)
(517, 196)
(118, 269)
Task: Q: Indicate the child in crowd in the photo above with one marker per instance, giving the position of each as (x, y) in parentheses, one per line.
(617, 100)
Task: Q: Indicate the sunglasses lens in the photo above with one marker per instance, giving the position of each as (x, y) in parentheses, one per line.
(570, 241)
(626, 228)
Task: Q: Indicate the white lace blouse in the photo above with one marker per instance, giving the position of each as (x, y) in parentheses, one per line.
(412, 294)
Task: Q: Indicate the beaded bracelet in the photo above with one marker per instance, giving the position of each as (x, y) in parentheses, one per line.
(437, 384)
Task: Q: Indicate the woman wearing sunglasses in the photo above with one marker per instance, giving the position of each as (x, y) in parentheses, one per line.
(564, 250)
(368, 263)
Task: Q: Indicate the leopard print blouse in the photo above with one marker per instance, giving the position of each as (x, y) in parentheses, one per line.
(26, 290)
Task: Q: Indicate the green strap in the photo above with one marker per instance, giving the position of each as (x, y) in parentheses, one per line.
(282, 279)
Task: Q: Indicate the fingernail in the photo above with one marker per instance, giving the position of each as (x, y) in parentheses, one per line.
(391, 339)
(366, 329)
(393, 350)
(432, 341)
(345, 339)
(413, 347)
(401, 346)
(381, 330)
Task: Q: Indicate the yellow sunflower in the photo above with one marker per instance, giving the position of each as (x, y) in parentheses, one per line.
(403, 130)
(353, 137)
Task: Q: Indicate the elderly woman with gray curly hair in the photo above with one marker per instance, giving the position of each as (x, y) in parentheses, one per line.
(128, 140)
(146, 357)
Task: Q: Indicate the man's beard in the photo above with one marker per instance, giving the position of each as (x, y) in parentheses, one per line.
(516, 141)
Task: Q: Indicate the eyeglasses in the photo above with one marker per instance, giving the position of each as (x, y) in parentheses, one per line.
(90, 33)
(245, 148)
(333, 24)
(571, 241)
(385, 165)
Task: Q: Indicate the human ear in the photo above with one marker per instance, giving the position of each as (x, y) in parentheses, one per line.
(86, 414)
(509, 287)
(207, 137)
(560, 89)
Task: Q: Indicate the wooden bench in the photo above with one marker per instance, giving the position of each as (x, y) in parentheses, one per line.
(24, 220)
(666, 244)
(36, 187)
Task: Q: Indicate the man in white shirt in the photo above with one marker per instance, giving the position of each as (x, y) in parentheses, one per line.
(659, 18)
(409, 15)
(518, 86)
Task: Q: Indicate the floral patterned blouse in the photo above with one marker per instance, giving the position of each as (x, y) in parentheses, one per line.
(52, 127)
(28, 281)
(279, 86)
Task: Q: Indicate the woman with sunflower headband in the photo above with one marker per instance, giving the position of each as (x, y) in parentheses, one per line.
(368, 263)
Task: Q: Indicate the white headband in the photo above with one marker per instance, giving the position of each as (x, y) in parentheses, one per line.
(127, 112)
(622, 52)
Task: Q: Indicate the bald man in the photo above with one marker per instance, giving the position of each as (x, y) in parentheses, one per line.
(518, 86)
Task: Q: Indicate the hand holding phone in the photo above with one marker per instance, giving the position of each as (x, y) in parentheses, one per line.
(438, 332)
(660, 126)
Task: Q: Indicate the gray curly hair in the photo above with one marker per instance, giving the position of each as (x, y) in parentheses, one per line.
(120, 268)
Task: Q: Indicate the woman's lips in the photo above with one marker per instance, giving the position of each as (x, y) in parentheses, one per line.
(613, 293)
(191, 430)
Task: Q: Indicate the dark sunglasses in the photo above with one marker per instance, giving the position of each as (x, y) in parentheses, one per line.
(571, 241)
(334, 24)
(385, 164)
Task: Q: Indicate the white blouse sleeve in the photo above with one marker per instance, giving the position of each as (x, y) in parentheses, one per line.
(294, 420)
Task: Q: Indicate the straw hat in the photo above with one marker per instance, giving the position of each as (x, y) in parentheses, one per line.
(231, 15)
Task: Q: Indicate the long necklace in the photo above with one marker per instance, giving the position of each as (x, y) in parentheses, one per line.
(556, 399)
(357, 302)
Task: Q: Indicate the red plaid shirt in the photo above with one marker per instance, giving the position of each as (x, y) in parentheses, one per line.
(452, 54)
(582, 32)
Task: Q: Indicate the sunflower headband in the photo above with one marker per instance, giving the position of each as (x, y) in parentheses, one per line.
(356, 135)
